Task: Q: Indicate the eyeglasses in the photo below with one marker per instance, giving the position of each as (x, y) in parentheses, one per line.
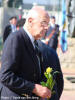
(44, 23)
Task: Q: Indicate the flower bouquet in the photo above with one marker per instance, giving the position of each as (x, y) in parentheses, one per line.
(50, 81)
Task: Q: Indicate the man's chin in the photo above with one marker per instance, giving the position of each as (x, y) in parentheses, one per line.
(43, 34)
(40, 36)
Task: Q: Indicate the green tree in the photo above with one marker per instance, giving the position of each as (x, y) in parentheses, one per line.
(12, 3)
(18, 3)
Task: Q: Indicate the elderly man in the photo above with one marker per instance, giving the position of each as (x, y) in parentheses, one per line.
(22, 70)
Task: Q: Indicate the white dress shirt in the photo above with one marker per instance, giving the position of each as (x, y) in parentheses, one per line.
(30, 36)
(32, 40)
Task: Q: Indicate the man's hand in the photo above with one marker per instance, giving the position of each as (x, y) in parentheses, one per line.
(41, 91)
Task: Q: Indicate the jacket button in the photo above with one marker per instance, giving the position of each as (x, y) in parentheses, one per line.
(34, 75)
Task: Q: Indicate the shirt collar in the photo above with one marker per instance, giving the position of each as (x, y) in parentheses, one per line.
(13, 27)
(53, 25)
(30, 36)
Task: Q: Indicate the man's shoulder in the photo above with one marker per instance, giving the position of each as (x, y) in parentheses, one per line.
(17, 33)
(57, 25)
(15, 36)
(7, 27)
(46, 49)
(51, 51)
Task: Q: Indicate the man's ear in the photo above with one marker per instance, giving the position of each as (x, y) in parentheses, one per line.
(30, 21)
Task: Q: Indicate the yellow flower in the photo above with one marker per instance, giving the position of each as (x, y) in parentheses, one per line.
(50, 82)
(48, 70)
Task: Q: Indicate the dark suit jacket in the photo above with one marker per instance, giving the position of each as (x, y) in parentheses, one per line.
(19, 70)
(50, 58)
(7, 31)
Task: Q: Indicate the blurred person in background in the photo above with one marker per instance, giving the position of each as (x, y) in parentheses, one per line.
(20, 23)
(51, 37)
(10, 27)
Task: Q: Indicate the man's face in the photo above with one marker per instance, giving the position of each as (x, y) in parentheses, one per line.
(53, 21)
(14, 21)
(39, 26)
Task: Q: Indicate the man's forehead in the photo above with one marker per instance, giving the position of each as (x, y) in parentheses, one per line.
(40, 10)
(38, 13)
(44, 17)
(37, 8)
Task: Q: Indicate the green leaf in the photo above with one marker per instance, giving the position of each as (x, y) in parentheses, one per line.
(56, 72)
(53, 92)
(46, 75)
(50, 82)
(53, 83)
(43, 83)
(46, 84)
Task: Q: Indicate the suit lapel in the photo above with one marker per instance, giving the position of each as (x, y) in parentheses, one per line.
(30, 49)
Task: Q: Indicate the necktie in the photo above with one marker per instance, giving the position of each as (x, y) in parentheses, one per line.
(38, 54)
(40, 58)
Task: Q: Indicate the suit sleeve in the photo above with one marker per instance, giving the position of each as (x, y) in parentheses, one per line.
(54, 62)
(51, 59)
(7, 31)
(9, 68)
(59, 77)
